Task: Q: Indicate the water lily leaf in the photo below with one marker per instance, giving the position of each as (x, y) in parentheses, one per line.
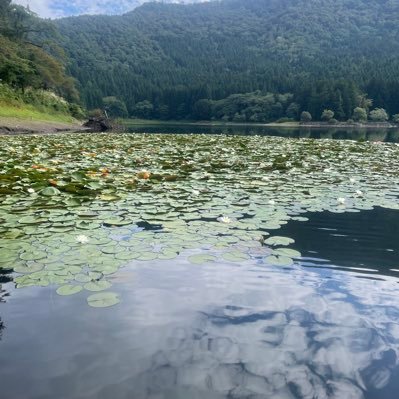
(82, 278)
(33, 255)
(69, 289)
(291, 253)
(24, 269)
(103, 299)
(50, 192)
(97, 285)
(278, 240)
(201, 258)
(279, 260)
(235, 256)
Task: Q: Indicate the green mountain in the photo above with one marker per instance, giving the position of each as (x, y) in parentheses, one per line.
(160, 59)
(32, 72)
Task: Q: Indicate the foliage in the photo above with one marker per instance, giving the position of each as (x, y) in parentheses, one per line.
(327, 115)
(306, 116)
(359, 114)
(77, 207)
(379, 115)
(36, 104)
(115, 107)
(395, 118)
(328, 54)
(27, 57)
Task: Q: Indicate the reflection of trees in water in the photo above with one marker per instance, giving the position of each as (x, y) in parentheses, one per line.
(4, 278)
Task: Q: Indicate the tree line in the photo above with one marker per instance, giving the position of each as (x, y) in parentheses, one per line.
(186, 61)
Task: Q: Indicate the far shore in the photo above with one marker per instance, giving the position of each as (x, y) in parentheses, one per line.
(292, 125)
(10, 126)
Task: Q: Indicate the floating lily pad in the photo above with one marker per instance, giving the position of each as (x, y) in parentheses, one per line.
(279, 260)
(103, 299)
(69, 289)
(278, 240)
(235, 256)
(291, 253)
(201, 258)
(97, 285)
(50, 192)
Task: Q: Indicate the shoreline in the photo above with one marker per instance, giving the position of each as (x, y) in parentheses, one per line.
(13, 126)
(291, 125)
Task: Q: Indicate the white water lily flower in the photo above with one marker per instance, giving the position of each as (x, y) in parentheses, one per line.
(31, 191)
(225, 219)
(272, 202)
(82, 239)
(195, 192)
(352, 180)
(341, 200)
(359, 193)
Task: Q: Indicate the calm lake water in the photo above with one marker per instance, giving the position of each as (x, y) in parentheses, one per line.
(325, 327)
(385, 135)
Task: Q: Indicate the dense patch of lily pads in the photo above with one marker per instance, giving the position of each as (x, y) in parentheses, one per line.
(76, 208)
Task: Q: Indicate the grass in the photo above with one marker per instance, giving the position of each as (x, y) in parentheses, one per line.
(30, 113)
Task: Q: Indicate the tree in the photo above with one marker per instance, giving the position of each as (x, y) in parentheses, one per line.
(115, 107)
(395, 118)
(379, 115)
(359, 114)
(327, 115)
(306, 116)
(143, 109)
(293, 111)
(202, 109)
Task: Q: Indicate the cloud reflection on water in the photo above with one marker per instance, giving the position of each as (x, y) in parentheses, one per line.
(256, 332)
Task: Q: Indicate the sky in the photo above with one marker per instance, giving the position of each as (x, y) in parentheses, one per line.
(63, 8)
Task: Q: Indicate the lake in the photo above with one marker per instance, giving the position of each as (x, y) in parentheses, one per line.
(336, 133)
(198, 266)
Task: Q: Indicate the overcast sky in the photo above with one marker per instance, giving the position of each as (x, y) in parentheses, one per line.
(62, 8)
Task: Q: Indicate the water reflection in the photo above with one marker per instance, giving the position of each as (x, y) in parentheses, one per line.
(342, 133)
(223, 330)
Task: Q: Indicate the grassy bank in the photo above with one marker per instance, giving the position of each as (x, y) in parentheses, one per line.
(36, 105)
(30, 113)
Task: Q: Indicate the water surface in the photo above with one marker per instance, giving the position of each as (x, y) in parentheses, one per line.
(326, 327)
(337, 133)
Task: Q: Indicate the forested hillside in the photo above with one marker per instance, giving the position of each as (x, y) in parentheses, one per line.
(32, 70)
(161, 59)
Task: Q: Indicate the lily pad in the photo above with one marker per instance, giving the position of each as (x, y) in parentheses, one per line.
(97, 285)
(278, 240)
(69, 289)
(201, 258)
(279, 260)
(103, 299)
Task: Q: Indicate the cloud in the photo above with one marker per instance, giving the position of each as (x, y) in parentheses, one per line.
(63, 8)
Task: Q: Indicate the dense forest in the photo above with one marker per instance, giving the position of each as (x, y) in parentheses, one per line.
(253, 60)
(32, 69)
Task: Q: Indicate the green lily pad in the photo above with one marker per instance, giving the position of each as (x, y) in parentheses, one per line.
(103, 299)
(33, 255)
(66, 290)
(291, 253)
(50, 192)
(278, 240)
(97, 285)
(201, 258)
(235, 256)
(279, 260)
